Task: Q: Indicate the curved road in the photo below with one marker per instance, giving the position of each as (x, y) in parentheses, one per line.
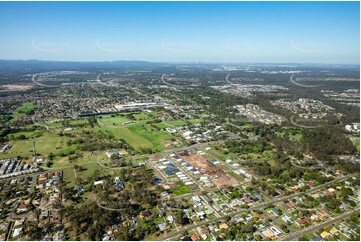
(41, 84)
(303, 126)
(307, 168)
(169, 84)
(302, 85)
(228, 81)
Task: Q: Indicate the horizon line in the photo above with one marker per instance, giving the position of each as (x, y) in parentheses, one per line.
(186, 62)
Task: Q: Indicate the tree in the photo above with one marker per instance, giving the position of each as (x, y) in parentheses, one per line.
(51, 156)
(346, 191)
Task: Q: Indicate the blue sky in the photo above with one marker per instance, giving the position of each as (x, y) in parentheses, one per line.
(304, 32)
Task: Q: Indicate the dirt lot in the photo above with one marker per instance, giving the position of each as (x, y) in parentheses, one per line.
(217, 175)
(170, 144)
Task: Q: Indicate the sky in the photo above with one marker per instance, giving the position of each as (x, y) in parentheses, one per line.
(232, 32)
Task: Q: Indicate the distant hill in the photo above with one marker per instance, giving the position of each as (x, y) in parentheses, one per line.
(40, 65)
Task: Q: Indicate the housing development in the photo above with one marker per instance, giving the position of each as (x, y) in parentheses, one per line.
(181, 120)
(162, 151)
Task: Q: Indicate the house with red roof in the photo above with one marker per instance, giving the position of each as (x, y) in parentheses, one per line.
(303, 221)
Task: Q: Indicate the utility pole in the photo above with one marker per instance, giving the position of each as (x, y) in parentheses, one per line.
(34, 149)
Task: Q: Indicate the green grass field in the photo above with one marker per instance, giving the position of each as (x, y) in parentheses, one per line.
(44, 145)
(292, 137)
(69, 176)
(142, 159)
(136, 141)
(141, 136)
(25, 109)
(267, 155)
(181, 189)
(78, 121)
(53, 125)
(62, 162)
(27, 134)
(154, 136)
(142, 116)
(170, 124)
(58, 124)
(117, 120)
(220, 155)
(195, 121)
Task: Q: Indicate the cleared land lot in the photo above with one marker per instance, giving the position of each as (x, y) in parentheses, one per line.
(220, 178)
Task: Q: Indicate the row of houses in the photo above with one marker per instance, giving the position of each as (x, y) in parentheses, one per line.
(12, 167)
(184, 178)
(4, 147)
(8, 165)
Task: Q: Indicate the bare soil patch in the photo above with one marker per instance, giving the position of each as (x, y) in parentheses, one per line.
(219, 177)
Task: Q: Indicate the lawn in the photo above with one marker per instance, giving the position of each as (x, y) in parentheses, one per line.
(142, 159)
(117, 120)
(180, 190)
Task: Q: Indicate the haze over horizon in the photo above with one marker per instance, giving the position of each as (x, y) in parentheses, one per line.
(210, 32)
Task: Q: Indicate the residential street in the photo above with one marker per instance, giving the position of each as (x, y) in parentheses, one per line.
(263, 205)
(297, 235)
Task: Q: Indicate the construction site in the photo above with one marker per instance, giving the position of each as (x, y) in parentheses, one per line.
(219, 177)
